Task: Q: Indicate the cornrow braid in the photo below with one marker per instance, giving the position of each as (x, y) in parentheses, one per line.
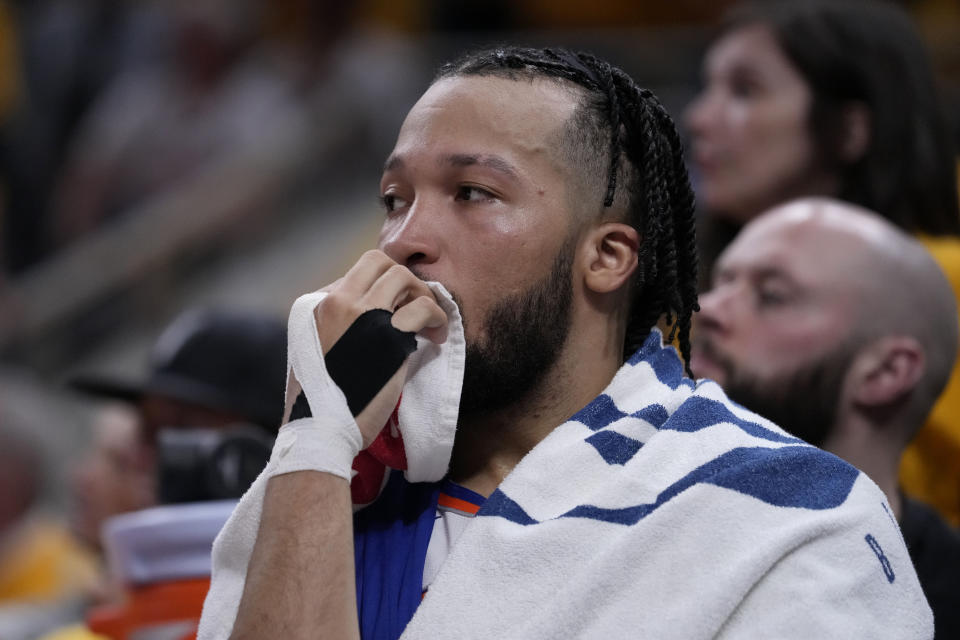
(635, 138)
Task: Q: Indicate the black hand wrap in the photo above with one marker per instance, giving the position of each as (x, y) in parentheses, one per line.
(363, 360)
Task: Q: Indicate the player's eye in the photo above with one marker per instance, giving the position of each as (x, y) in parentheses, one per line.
(391, 202)
(469, 193)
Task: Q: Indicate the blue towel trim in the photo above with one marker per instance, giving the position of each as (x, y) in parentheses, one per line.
(794, 476)
(652, 345)
(666, 364)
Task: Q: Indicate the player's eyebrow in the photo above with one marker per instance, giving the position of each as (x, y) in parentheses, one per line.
(494, 162)
(393, 162)
(490, 161)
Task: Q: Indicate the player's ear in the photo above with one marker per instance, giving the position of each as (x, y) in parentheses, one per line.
(609, 256)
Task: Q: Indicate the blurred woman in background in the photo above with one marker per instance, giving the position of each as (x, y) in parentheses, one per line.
(834, 98)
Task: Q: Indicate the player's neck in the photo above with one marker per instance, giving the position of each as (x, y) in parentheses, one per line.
(490, 445)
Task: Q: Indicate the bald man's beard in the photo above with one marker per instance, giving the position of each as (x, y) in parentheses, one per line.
(803, 403)
(523, 336)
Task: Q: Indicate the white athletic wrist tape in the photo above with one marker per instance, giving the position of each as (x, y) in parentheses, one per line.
(330, 439)
(312, 444)
(305, 355)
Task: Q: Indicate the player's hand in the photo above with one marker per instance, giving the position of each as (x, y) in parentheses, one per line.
(377, 282)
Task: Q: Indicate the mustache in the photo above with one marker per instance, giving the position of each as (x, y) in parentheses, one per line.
(415, 270)
(421, 275)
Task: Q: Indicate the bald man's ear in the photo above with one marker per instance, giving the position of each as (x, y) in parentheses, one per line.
(887, 371)
(610, 256)
(855, 138)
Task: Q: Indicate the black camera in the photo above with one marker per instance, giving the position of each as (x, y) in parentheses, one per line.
(210, 464)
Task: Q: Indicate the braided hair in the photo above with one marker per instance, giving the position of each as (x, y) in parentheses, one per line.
(622, 129)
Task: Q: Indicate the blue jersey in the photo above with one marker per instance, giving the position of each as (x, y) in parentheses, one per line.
(390, 539)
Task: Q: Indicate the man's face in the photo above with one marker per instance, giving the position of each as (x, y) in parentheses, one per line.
(749, 127)
(775, 330)
(476, 198)
(115, 476)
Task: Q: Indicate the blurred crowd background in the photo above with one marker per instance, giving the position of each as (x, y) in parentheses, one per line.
(163, 155)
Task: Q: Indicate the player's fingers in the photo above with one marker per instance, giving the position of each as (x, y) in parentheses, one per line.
(395, 287)
(422, 315)
(333, 285)
(365, 272)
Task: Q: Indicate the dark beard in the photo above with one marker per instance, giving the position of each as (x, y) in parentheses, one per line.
(524, 336)
(804, 403)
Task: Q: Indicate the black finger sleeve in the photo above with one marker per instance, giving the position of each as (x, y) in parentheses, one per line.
(366, 356)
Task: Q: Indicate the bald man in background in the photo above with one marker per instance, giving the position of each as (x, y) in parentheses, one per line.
(831, 322)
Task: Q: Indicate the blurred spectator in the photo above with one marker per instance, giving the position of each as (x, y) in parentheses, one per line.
(111, 478)
(161, 557)
(834, 98)
(37, 560)
(823, 98)
(157, 126)
(839, 327)
(260, 103)
(210, 370)
(244, 79)
(44, 574)
(350, 77)
(57, 56)
(266, 109)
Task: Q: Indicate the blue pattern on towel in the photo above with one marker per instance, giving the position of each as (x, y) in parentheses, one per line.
(694, 414)
(664, 360)
(603, 412)
(700, 413)
(796, 475)
(500, 504)
(600, 413)
(800, 477)
(614, 447)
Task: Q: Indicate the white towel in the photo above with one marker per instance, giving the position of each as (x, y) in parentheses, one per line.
(328, 441)
(661, 510)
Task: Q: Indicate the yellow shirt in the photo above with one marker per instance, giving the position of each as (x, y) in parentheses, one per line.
(42, 562)
(930, 467)
(74, 632)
